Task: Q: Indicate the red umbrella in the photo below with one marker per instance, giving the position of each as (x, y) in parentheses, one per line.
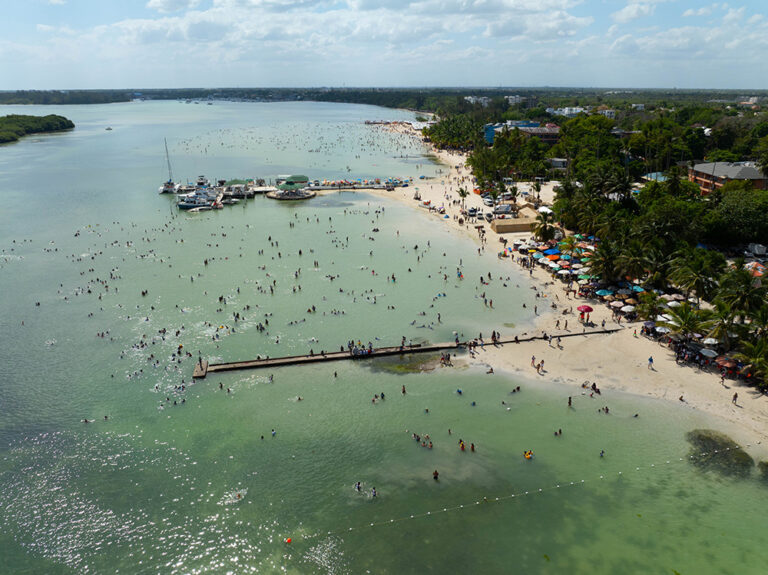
(584, 308)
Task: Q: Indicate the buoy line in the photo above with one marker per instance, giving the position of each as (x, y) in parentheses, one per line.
(501, 498)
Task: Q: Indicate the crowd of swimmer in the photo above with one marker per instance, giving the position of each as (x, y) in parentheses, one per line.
(364, 143)
(165, 354)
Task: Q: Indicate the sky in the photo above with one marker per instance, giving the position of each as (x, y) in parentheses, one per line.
(71, 44)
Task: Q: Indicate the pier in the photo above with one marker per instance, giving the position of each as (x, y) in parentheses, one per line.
(203, 368)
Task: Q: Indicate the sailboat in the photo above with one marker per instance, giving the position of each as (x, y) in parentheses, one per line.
(168, 187)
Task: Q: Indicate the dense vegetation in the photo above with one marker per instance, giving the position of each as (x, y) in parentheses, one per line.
(62, 97)
(662, 234)
(14, 126)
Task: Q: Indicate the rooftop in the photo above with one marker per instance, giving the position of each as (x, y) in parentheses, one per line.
(730, 170)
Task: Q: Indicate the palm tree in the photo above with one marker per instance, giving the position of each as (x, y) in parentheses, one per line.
(537, 189)
(723, 317)
(687, 320)
(513, 190)
(568, 245)
(463, 193)
(740, 290)
(755, 357)
(619, 184)
(649, 306)
(691, 275)
(543, 229)
(658, 268)
(604, 262)
(632, 261)
(758, 323)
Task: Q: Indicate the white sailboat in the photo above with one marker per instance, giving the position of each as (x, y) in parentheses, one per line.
(168, 187)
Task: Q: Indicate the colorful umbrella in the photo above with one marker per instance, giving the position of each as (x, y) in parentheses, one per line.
(584, 308)
(604, 292)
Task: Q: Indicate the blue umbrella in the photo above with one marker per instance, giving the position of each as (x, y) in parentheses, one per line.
(538, 255)
(638, 289)
(552, 251)
(604, 292)
(565, 257)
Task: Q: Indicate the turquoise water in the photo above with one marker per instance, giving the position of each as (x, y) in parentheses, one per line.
(154, 489)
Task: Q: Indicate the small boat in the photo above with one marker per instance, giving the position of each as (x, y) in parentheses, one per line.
(168, 187)
(108, 128)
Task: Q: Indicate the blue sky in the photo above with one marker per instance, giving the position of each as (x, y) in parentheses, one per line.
(58, 44)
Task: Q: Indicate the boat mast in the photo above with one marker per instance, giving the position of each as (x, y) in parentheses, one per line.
(168, 159)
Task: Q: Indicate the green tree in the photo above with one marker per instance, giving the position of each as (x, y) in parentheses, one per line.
(463, 193)
(544, 229)
(741, 291)
(754, 355)
(687, 320)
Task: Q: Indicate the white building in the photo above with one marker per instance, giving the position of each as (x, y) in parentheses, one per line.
(482, 100)
(512, 100)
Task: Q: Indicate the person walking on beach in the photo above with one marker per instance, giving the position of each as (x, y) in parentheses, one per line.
(650, 362)
(735, 397)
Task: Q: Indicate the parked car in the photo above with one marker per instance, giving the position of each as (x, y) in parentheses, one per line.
(488, 201)
(488, 217)
(503, 209)
(472, 213)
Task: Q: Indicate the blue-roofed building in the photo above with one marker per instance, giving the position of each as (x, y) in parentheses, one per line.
(490, 130)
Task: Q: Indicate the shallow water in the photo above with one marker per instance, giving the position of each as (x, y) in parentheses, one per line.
(192, 487)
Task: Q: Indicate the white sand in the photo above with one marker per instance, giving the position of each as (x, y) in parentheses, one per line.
(615, 361)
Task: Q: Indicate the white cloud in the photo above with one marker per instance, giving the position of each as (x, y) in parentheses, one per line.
(166, 6)
(734, 15)
(57, 2)
(703, 11)
(633, 12)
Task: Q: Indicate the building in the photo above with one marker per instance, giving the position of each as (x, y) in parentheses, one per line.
(638, 107)
(484, 101)
(558, 163)
(548, 134)
(714, 175)
(490, 130)
(610, 114)
(568, 112)
(512, 100)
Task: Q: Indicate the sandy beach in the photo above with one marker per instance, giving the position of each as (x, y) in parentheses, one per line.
(617, 361)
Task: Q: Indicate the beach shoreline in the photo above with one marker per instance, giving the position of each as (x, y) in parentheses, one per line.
(616, 361)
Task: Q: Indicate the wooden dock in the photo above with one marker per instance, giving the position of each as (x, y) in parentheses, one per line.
(203, 368)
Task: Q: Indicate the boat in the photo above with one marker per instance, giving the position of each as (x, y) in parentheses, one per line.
(202, 182)
(194, 201)
(168, 187)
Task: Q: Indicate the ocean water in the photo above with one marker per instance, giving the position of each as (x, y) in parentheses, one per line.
(181, 481)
